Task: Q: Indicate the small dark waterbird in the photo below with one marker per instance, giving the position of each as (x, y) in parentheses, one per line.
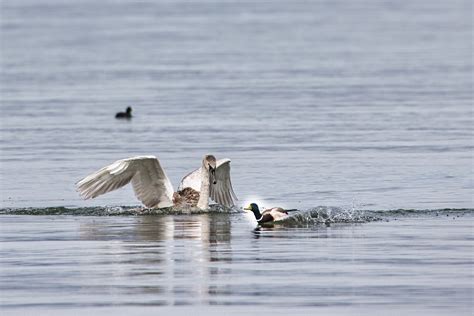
(268, 215)
(124, 115)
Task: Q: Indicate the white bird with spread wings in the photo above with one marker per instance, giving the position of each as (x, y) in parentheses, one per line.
(153, 188)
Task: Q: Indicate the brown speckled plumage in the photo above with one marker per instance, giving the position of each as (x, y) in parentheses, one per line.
(186, 197)
(154, 189)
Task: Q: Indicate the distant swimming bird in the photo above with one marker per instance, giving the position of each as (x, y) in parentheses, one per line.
(153, 188)
(268, 215)
(127, 114)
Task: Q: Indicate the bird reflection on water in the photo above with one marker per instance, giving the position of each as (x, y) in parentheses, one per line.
(172, 258)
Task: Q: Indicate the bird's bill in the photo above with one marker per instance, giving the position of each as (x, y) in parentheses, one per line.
(213, 175)
(248, 208)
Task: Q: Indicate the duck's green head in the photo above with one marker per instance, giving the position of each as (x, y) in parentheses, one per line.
(251, 207)
(254, 209)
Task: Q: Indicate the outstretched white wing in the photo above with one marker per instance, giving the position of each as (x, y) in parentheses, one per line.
(191, 180)
(150, 183)
(221, 192)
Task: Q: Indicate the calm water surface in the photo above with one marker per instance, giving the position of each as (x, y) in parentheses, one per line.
(218, 263)
(341, 105)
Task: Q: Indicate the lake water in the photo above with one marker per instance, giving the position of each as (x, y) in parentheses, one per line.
(357, 113)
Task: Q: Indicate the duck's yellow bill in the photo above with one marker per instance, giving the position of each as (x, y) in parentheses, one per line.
(248, 208)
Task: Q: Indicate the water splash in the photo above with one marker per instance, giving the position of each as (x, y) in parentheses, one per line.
(114, 211)
(318, 215)
(328, 215)
(335, 215)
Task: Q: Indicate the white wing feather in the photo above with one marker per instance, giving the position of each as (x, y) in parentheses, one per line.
(192, 180)
(221, 192)
(150, 183)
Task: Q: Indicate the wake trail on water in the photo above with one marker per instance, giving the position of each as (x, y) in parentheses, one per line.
(114, 211)
(327, 215)
(318, 215)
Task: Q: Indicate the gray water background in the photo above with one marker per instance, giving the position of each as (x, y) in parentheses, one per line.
(315, 102)
(357, 105)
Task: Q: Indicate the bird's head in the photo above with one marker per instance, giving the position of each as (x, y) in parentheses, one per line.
(129, 110)
(209, 162)
(253, 207)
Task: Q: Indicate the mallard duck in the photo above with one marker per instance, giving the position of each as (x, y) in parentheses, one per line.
(268, 215)
(153, 188)
(126, 115)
